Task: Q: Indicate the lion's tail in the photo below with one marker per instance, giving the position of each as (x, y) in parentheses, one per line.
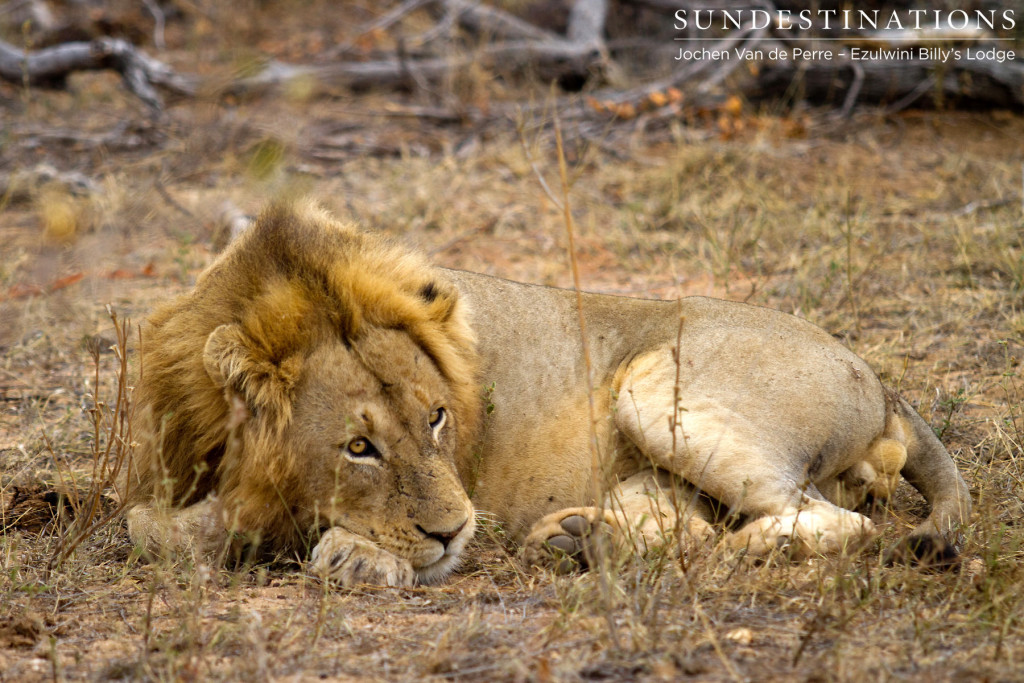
(931, 470)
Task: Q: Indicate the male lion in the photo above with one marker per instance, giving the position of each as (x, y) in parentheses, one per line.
(322, 384)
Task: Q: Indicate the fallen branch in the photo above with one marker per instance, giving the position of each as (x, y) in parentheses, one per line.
(902, 82)
(553, 58)
(23, 184)
(51, 66)
(484, 20)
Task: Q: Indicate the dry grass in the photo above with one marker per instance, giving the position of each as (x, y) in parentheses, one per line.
(873, 231)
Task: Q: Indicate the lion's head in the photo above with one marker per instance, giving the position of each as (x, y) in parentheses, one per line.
(316, 376)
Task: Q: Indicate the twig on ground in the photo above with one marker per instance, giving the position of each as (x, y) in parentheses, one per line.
(854, 91)
(110, 457)
(983, 205)
(382, 23)
(159, 21)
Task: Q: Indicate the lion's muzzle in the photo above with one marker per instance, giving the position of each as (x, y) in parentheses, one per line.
(450, 544)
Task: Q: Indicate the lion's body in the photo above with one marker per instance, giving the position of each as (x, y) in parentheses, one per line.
(774, 418)
(773, 413)
(791, 406)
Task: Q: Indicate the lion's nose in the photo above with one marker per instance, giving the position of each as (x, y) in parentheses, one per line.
(443, 537)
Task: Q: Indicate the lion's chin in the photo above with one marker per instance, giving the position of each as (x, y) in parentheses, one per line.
(437, 571)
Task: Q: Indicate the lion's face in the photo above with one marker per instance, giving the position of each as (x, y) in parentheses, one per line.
(369, 447)
(374, 431)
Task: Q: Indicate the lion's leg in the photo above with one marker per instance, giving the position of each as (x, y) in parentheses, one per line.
(639, 513)
(719, 450)
(196, 531)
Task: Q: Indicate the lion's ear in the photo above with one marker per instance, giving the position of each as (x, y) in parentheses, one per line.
(226, 356)
(241, 367)
(441, 299)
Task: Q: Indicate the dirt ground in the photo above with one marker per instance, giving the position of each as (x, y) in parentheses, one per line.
(900, 234)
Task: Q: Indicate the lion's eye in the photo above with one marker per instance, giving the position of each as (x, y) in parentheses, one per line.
(436, 418)
(361, 448)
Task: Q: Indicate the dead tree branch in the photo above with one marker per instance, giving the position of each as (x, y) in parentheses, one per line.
(553, 56)
(586, 22)
(484, 20)
(50, 67)
(903, 82)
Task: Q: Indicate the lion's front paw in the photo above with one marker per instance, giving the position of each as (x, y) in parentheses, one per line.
(348, 559)
(569, 539)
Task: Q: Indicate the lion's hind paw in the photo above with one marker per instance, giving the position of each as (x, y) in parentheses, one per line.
(929, 552)
(817, 529)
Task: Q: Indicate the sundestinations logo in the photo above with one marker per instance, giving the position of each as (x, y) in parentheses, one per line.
(938, 35)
